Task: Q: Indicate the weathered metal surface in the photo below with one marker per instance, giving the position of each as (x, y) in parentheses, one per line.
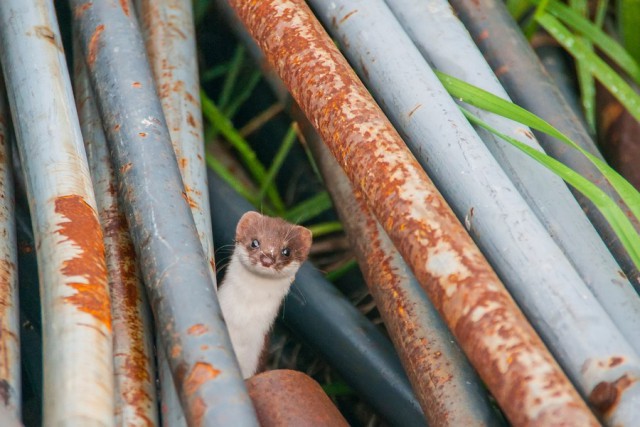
(169, 33)
(534, 269)
(450, 392)
(171, 412)
(10, 387)
(175, 269)
(550, 199)
(528, 84)
(134, 369)
(289, 398)
(490, 328)
(76, 319)
(322, 317)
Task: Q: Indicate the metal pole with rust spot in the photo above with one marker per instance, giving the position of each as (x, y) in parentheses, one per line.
(494, 334)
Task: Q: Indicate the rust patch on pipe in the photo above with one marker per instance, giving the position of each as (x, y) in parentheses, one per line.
(132, 362)
(606, 395)
(136, 85)
(291, 398)
(93, 45)
(125, 6)
(45, 33)
(414, 110)
(200, 374)
(198, 329)
(500, 343)
(80, 10)
(83, 230)
(347, 16)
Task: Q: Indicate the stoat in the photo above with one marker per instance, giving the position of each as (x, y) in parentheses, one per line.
(267, 254)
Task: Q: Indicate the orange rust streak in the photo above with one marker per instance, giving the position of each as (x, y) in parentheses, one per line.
(83, 230)
(198, 329)
(200, 374)
(81, 9)
(93, 45)
(125, 6)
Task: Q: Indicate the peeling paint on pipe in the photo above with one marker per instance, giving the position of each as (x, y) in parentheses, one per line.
(175, 269)
(76, 319)
(134, 370)
(490, 328)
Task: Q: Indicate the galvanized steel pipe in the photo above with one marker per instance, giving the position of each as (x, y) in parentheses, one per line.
(76, 318)
(483, 317)
(175, 269)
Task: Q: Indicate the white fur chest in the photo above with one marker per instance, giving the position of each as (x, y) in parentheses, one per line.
(250, 303)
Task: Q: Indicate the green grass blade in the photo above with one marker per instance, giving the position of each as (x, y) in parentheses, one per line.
(230, 179)
(628, 24)
(487, 101)
(325, 228)
(278, 159)
(623, 228)
(334, 275)
(215, 72)
(586, 81)
(532, 26)
(601, 12)
(231, 77)
(600, 70)
(308, 209)
(518, 8)
(599, 38)
(248, 156)
(243, 95)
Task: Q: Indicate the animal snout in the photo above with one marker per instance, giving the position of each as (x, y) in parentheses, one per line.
(266, 260)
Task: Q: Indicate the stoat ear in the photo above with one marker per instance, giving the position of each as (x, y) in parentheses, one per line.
(245, 221)
(305, 236)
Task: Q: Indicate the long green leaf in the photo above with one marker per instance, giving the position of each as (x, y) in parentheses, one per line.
(278, 159)
(309, 208)
(600, 70)
(599, 38)
(487, 101)
(628, 23)
(609, 209)
(586, 81)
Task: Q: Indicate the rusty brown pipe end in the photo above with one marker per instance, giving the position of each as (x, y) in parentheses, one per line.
(290, 398)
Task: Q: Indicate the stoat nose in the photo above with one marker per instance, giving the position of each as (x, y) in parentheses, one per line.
(266, 260)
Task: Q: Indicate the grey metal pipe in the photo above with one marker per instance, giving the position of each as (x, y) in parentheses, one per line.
(318, 313)
(175, 269)
(446, 44)
(76, 318)
(532, 266)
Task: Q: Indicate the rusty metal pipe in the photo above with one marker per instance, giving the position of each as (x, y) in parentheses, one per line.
(285, 398)
(449, 390)
(490, 328)
(175, 269)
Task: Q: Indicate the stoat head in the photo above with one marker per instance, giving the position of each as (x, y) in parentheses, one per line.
(271, 247)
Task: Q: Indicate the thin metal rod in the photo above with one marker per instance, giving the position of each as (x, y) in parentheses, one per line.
(76, 318)
(175, 269)
(462, 286)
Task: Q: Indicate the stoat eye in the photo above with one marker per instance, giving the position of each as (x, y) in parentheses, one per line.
(286, 252)
(255, 243)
